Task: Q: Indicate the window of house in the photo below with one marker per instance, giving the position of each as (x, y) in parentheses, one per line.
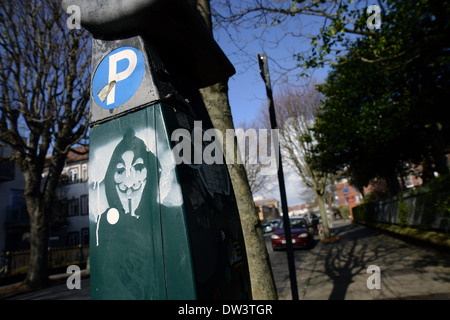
(345, 189)
(74, 207)
(357, 198)
(346, 199)
(63, 208)
(73, 175)
(17, 210)
(73, 238)
(84, 204)
(85, 236)
(84, 172)
(16, 197)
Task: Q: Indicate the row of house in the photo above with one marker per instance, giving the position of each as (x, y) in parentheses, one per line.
(69, 219)
(344, 194)
(268, 209)
(347, 194)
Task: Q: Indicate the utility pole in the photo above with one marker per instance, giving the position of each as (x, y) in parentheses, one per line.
(264, 71)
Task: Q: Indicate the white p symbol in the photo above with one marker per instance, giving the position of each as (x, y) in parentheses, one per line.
(131, 56)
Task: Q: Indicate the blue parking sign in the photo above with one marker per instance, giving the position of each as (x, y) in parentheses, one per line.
(118, 77)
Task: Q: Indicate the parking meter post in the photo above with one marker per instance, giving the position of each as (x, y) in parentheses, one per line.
(264, 71)
(159, 229)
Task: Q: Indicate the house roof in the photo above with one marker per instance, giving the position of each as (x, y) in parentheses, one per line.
(75, 157)
(302, 206)
(81, 153)
(266, 202)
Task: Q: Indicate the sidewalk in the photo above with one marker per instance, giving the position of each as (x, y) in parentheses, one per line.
(338, 270)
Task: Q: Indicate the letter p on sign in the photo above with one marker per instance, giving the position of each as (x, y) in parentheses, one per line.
(118, 77)
(114, 76)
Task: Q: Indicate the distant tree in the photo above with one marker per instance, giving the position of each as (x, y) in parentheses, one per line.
(296, 110)
(384, 107)
(44, 94)
(258, 173)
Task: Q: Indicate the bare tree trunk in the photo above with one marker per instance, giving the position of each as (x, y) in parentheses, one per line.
(323, 215)
(262, 282)
(37, 275)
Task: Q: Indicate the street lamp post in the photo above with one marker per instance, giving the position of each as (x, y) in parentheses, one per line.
(264, 71)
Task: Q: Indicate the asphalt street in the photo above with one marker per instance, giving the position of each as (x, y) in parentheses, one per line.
(279, 263)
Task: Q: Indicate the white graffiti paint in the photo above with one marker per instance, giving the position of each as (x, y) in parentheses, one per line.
(130, 178)
(112, 216)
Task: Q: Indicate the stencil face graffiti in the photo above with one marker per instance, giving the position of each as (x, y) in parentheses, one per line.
(130, 177)
(127, 174)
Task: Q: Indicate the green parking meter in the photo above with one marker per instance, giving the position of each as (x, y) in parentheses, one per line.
(160, 228)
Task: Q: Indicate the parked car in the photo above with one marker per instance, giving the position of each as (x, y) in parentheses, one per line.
(274, 223)
(266, 227)
(302, 234)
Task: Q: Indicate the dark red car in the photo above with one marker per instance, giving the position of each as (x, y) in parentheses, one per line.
(302, 234)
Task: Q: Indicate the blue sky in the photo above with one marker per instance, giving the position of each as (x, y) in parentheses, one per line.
(247, 90)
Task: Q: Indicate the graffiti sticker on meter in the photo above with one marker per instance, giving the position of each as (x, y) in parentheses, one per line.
(118, 77)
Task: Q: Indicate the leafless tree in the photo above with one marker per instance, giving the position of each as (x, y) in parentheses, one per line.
(296, 109)
(250, 154)
(44, 94)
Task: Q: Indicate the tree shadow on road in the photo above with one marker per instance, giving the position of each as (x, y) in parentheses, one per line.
(345, 258)
(359, 247)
